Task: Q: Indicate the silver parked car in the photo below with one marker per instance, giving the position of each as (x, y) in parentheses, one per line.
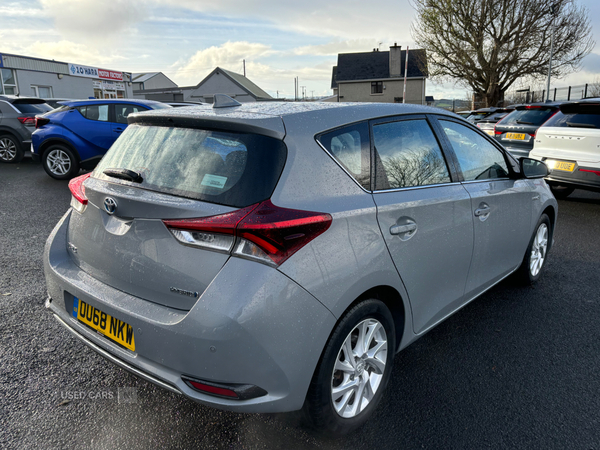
(273, 257)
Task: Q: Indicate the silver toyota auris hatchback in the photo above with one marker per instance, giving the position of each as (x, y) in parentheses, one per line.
(273, 257)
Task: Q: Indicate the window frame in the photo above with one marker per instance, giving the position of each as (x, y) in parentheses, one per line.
(334, 158)
(455, 177)
(36, 88)
(376, 84)
(511, 162)
(3, 84)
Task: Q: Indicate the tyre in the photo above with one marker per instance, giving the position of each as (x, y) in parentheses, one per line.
(561, 191)
(353, 371)
(537, 252)
(10, 149)
(60, 162)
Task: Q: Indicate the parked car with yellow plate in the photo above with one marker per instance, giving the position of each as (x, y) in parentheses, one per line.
(516, 132)
(569, 144)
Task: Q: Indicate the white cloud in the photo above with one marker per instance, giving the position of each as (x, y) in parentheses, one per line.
(338, 46)
(354, 19)
(229, 55)
(95, 21)
(66, 51)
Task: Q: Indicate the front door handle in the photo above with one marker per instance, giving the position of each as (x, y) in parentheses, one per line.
(399, 229)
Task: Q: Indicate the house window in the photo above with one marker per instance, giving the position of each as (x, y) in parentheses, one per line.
(376, 87)
(41, 91)
(8, 82)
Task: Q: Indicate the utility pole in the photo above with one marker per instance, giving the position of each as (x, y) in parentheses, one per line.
(553, 11)
(405, 73)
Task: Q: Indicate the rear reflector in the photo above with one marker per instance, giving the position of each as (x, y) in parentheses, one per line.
(597, 172)
(212, 389)
(27, 120)
(78, 200)
(264, 232)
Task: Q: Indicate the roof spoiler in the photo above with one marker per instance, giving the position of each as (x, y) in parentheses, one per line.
(589, 107)
(224, 101)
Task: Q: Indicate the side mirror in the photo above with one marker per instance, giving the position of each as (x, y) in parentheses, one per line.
(532, 168)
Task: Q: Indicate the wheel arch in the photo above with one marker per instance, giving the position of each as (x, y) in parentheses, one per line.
(550, 211)
(52, 141)
(392, 299)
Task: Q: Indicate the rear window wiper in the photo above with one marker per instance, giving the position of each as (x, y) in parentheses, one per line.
(581, 125)
(124, 174)
(523, 122)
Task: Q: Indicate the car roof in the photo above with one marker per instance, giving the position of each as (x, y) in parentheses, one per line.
(19, 99)
(268, 117)
(92, 101)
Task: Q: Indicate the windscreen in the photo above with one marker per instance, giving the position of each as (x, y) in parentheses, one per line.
(233, 169)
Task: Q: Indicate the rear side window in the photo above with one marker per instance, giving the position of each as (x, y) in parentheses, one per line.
(350, 146)
(574, 120)
(233, 169)
(32, 108)
(407, 154)
(95, 112)
(527, 117)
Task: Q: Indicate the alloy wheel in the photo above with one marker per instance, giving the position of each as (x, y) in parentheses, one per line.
(359, 368)
(58, 162)
(8, 149)
(538, 250)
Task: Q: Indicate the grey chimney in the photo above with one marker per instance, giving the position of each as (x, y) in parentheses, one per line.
(395, 61)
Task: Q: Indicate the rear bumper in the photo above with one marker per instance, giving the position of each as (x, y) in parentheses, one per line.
(577, 178)
(252, 325)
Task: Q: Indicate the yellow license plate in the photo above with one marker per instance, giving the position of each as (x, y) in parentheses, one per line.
(518, 136)
(114, 329)
(564, 166)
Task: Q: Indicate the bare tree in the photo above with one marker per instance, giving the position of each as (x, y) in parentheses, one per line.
(488, 44)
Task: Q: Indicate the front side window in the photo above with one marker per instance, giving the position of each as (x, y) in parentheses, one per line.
(478, 158)
(8, 82)
(122, 111)
(377, 87)
(350, 147)
(407, 154)
(95, 112)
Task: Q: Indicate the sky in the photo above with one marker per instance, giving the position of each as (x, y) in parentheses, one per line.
(187, 39)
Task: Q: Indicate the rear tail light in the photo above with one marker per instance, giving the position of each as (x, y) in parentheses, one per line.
(78, 199)
(41, 121)
(532, 134)
(262, 232)
(496, 132)
(27, 120)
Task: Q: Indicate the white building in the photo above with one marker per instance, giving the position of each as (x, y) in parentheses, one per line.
(44, 78)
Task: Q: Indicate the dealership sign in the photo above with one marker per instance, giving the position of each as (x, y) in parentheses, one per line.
(78, 70)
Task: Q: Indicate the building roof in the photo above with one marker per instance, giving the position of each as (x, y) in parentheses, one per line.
(141, 77)
(375, 65)
(242, 81)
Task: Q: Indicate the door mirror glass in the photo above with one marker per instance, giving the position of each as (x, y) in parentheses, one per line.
(532, 168)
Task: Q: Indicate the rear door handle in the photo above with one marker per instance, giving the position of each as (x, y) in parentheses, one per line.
(118, 130)
(483, 212)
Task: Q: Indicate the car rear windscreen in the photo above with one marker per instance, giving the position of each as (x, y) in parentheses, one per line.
(32, 108)
(232, 169)
(528, 117)
(574, 120)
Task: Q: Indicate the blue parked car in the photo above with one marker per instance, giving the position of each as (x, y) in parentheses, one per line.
(78, 134)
